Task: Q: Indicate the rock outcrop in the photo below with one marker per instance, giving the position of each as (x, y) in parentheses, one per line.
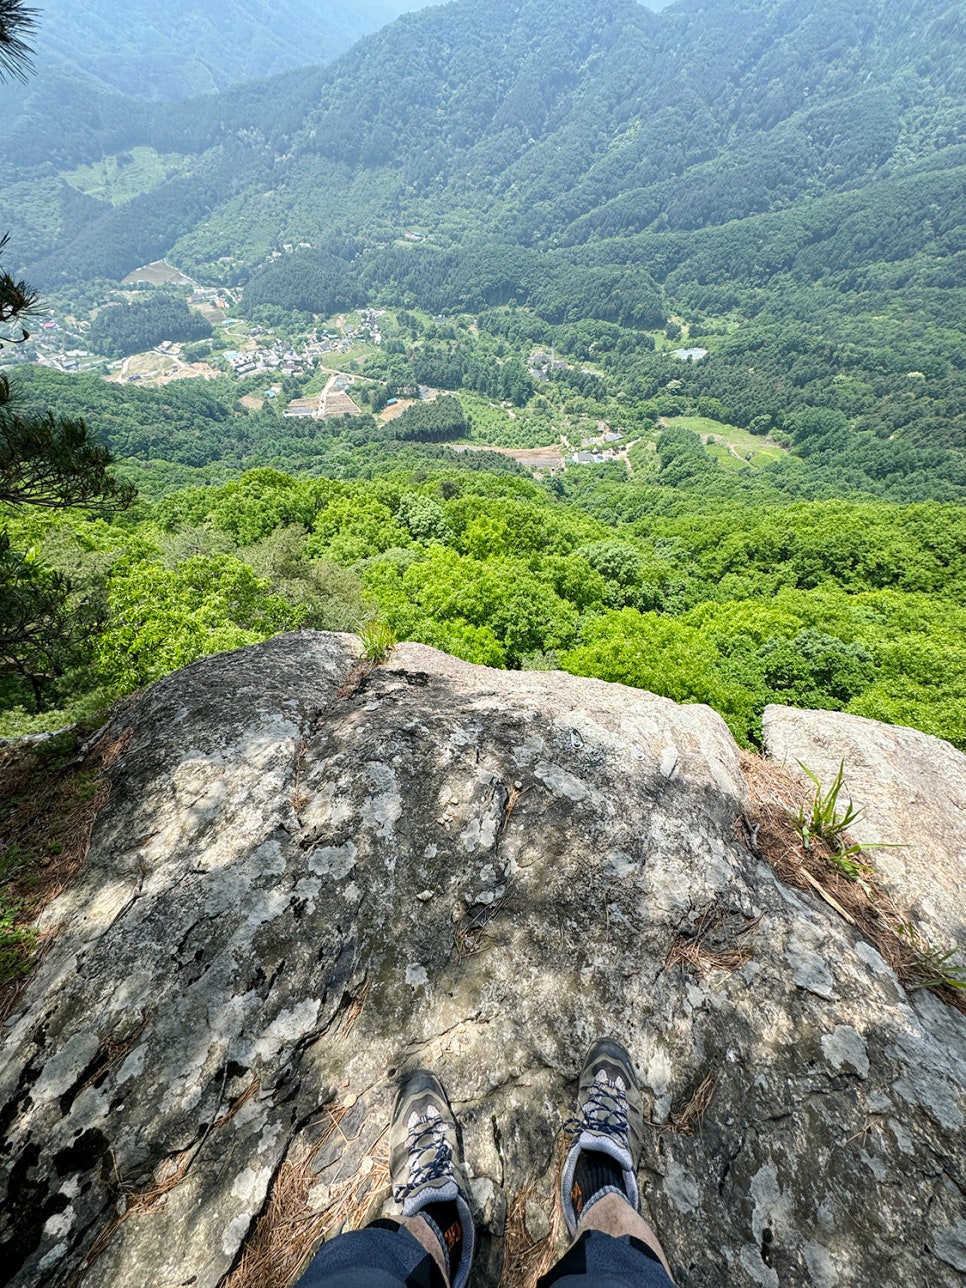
(910, 789)
(308, 877)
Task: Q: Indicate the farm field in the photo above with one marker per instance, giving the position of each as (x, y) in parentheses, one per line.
(159, 273)
(121, 178)
(732, 446)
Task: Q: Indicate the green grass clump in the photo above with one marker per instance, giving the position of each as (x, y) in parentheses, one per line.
(378, 641)
(820, 818)
(17, 942)
(934, 967)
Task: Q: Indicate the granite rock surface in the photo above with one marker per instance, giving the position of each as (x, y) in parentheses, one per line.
(307, 879)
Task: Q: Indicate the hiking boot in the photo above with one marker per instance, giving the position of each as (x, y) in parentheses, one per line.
(426, 1167)
(608, 1132)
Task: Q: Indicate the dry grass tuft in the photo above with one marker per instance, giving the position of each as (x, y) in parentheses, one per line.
(251, 1090)
(470, 924)
(299, 798)
(768, 831)
(358, 674)
(514, 795)
(168, 1175)
(354, 1010)
(525, 1259)
(288, 1229)
(712, 944)
(685, 1120)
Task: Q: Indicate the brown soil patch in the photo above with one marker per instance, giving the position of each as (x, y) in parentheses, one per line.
(304, 405)
(160, 273)
(191, 371)
(49, 801)
(397, 409)
(182, 371)
(548, 458)
(338, 403)
(769, 832)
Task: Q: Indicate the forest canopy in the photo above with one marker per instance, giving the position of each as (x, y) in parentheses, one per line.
(841, 605)
(131, 328)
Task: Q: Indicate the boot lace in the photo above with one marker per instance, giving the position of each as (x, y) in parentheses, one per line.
(604, 1112)
(430, 1155)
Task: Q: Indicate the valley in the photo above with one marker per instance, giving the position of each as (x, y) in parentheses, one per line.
(638, 338)
(329, 369)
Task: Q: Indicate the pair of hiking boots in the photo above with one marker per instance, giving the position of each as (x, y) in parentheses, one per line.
(427, 1171)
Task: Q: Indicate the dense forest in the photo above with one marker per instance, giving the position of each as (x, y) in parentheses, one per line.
(731, 600)
(132, 328)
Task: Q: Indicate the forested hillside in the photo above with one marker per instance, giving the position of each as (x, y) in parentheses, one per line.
(728, 237)
(178, 49)
(172, 50)
(604, 113)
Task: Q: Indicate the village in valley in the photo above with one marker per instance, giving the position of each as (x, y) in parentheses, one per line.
(318, 373)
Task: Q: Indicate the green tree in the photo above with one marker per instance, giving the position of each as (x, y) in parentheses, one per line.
(816, 670)
(52, 461)
(162, 619)
(665, 656)
(33, 624)
(425, 519)
(17, 300)
(44, 461)
(328, 596)
(515, 382)
(353, 527)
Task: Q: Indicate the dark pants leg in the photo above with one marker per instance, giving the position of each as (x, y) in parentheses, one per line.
(383, 1255)
(605, 1262)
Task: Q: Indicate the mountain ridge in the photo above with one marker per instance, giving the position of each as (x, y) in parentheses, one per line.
(528, 156)
(174, 51)
(177, 50)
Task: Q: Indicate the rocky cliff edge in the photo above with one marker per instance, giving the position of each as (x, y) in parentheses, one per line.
(308, 877)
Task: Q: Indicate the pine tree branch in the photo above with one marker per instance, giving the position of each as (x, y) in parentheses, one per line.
(16, 21)
(52, 462)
